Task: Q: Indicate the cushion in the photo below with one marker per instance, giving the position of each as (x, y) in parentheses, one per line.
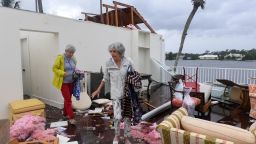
(217, 130)
(21, 106)
(176, 116)
(178, 103)
(179, 136)
(252, 128)
(172, 121)
(184, 137)
(206, 89)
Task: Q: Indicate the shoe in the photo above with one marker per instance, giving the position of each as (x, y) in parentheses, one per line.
(72, 121)
(116, 140)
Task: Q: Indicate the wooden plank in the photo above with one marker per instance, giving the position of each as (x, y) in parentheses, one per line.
(88, 13)
(132, 19)
(101, 16)
(109, 6)
(112, 19)
(144, 21)
(107, 16)
(116, 15)
(138, 27)
(121, 4)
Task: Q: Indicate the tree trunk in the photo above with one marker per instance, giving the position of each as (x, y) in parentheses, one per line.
(40, 6)
(184, 34)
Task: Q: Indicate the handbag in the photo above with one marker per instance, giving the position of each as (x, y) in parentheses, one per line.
(75, 75)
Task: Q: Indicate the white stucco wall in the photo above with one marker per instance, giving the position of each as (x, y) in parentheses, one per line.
(90, 39)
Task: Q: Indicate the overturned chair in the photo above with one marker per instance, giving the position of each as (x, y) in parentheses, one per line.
(201, 96)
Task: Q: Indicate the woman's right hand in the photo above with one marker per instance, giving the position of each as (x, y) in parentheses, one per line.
(95, 94)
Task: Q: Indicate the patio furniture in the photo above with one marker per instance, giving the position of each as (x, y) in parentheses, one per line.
(201, 93)
(179, 128)
(244, 95)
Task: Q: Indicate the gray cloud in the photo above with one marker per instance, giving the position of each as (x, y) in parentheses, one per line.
(221, 25)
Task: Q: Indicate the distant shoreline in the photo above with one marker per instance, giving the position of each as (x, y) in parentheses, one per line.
(249, 64)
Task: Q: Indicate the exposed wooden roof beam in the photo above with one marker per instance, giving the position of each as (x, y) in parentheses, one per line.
(116, 15)
(88, 13)
(109, 6)
(138, 27)
(101, 16)
(144, 21)
(121, 4)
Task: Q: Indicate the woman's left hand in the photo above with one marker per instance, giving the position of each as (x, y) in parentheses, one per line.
(95, 94)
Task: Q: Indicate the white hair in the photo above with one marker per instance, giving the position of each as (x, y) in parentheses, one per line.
(119, 47)
(70, 48)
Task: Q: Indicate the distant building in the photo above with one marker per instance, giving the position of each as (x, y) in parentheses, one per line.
(188, 58)
(234, 56)
(208, 57)
(181, 57)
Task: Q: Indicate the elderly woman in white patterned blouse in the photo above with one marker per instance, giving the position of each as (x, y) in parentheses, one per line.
(115, 73)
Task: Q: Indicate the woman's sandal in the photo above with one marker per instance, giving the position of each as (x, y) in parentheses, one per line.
(116, 140)
(72, 121)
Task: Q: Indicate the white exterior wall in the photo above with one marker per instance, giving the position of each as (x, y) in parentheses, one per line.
(43, 48)
(90, 39)
(157, 52)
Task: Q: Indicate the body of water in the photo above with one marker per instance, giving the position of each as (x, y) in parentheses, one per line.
(214, 63)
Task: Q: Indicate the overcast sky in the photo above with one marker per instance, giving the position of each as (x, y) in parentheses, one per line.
(223, 24)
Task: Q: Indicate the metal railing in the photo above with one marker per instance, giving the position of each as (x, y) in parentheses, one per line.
(210, 74)
(165, 74)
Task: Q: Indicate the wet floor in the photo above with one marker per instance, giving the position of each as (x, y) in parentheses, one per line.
(94, 129)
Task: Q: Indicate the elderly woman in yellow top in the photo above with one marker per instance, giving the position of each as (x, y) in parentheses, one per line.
(63, 69)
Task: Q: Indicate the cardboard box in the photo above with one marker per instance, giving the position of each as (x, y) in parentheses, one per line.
(20, 108)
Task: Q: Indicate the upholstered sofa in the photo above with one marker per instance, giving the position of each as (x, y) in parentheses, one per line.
(179, 128)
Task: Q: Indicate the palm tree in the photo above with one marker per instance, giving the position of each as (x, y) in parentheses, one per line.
(7, 3)
(196, 5)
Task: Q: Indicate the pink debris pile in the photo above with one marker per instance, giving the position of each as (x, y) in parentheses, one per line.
(33, 128)
(146, 131)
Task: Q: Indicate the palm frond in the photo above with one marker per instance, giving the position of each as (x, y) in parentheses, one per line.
(198, 3)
